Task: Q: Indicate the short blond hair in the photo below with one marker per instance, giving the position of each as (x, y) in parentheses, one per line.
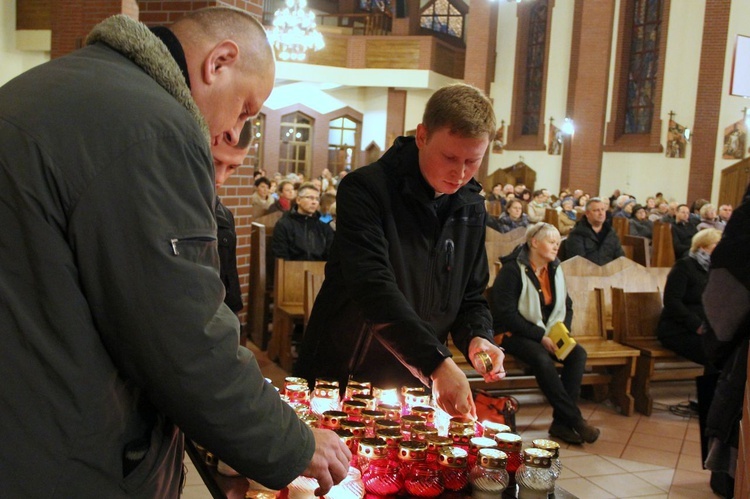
(464, 109)
(704, 239)
(540, 231)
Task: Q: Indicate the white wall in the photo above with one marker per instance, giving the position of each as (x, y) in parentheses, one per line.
(13, 61)
(731, 106)
(644, 174)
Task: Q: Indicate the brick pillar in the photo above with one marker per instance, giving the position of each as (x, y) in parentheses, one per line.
(587, 94)
(73, 19)
(708, 99)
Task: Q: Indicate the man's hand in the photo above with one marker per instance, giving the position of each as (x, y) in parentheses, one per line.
(497, 356)
(548, 345)
(330, 462)
(451, 390)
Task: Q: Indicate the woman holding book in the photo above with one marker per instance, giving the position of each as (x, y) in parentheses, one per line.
(528, 300)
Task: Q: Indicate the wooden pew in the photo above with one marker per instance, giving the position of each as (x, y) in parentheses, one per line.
(621, 226)
(288, 296)
(258, 295)
(494, 208)
(313, 283)
(635, 317)
(552, 216)
(640, 249)
(499, 245)
(662, 252)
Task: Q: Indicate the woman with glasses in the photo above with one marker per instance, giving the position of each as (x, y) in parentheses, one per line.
(513, 218)
(527, 299)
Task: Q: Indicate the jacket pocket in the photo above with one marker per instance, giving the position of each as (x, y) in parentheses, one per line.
(199, 248)
(161, 446)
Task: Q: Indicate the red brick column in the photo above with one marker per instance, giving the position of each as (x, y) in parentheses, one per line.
(587, 94)
(395, 117)
(708, 99)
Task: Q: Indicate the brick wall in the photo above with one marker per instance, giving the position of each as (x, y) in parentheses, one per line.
(708, 99)
(587, 94)
(71, 20)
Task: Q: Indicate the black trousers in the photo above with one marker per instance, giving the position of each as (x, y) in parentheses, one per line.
(562, 390)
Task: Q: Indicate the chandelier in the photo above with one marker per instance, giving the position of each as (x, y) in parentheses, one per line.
(294, 31)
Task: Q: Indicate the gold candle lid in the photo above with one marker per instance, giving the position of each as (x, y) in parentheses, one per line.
(462, 423)
(367, 399)
(333, 419)
(370, 417)
(392, 436)
(391, 411)
(492, 458)
(327, 381)
(460, 435)
(353, 407)
(412, 450)
(358, 428)
(453, 457)
(309, 419)
(483, 362)
(417, 397)
(435, 443)
(492, 428)
(421, 431)
(509, 442)
(292, 380)
(549, 445)
(410, 420)
(405, 390)
(296, 393)
(346, 436)
(387, 424)
(537, 458)
(428, 413)
(372, 448)
(326, 391)
(477, 443)
(354, 387)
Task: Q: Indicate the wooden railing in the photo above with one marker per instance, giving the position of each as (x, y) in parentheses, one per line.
(362, 24)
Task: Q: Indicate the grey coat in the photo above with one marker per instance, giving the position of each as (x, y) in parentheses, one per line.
(114, 331)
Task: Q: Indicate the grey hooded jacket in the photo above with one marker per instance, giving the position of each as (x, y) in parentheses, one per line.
(113, 329)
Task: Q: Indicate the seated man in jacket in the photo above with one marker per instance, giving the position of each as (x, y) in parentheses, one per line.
(299, 234)
(408, 265)
(593, 237)
(682, 231)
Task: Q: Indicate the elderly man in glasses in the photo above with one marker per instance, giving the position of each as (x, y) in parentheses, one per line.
(299, 234)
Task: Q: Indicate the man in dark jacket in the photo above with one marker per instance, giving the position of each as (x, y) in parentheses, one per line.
(227, 160)
(682, 231)
(299, 234)
(113, 327)
(593, 237)
(408, 264)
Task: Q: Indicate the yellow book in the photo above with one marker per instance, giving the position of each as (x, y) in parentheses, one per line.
(562, 340)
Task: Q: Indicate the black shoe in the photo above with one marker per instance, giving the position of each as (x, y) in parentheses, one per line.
(588, 433)
(565, 433)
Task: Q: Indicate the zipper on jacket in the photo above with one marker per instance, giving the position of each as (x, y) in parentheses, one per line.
(175, 242)
(450, 248)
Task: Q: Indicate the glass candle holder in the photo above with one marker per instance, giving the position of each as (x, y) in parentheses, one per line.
(292, 380)
(354, 387)
(423, 481)
(475, 444)
(392, 411)
(327, 381)
(421, 431)
(369, 400)
(297, 394)
(489, 477)
(410, 454)
(331, 420)
(415, 398)
(407, 422)
(553, 448)
(452, 461)
(534, 476)
(393, 439)
(435, 445)
(388, 396)
(369, 418)
(324, 398)
(461, 437)
(351, 442)
(428, 413)
(379, 475)
(357, 428)
(511, 444)
(492, 428)
(353, 409)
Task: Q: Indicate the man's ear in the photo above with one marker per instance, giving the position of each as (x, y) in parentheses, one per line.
(223, 56)
(421, 135)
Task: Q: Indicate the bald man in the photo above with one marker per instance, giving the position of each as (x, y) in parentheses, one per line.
(114, 332)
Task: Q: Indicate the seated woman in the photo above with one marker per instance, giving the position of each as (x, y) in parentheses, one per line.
(681, 319)
(568, 216)
(513, 218)
(640, 225)
(527, 299)
(709, 220)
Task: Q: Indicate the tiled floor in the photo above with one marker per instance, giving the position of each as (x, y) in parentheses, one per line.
(637, 456)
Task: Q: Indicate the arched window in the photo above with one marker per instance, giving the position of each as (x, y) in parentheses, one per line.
(534, 84)
(444, 17)
(343, 142)
(258, 132)
(295, 148)
(644, 58)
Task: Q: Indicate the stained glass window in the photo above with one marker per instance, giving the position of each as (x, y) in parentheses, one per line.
(537, 43)
(258, 131)
(443, 17)
(296, 137)
(644, 58)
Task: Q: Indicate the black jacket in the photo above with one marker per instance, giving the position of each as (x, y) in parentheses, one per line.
(683, 306)
(505, 224)
(682, 237)
(583, 241)
(301, 237)
(227, 246)
(393, 262)
(506, 291)
(643, 228)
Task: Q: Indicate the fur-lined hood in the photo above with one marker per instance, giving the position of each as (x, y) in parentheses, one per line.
(136, 42)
